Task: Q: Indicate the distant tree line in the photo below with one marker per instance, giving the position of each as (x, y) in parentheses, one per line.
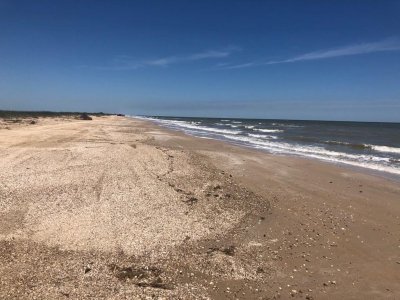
(8, 114)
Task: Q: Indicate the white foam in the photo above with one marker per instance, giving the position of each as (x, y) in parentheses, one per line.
(186, 125)
(385, 149)
(209, 129)
(262, 136)
(365, 161)
(267, 130)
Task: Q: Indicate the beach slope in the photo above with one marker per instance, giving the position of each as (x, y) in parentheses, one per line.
(120, 208)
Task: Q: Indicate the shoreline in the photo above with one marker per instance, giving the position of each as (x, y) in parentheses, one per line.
(244, 136)
(123, 208)
(377, 173)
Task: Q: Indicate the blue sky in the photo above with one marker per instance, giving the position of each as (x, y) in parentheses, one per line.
(332, 60)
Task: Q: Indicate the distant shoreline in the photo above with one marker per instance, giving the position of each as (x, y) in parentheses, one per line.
(267, 119)
(44, 114)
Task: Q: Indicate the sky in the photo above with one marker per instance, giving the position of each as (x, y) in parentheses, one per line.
(321, 60)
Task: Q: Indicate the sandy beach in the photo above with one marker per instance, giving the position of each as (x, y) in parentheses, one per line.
(119, 208)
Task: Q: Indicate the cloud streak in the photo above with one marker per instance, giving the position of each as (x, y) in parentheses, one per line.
(165, 61)
(357, 49)
(124, 62)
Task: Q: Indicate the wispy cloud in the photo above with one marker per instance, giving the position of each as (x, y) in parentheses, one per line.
(124, 62)
(392, 44)
(165, 61)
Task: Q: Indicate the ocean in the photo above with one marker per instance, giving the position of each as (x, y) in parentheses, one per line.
(370, 145)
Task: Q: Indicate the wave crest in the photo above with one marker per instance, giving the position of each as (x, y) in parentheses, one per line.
(267, 130)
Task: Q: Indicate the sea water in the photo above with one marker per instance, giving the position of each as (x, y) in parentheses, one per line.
(371, 145)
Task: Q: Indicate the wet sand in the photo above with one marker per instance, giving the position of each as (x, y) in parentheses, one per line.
(119, 208)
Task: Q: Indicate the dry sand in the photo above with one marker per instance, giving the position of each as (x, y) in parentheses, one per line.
(118, 208)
